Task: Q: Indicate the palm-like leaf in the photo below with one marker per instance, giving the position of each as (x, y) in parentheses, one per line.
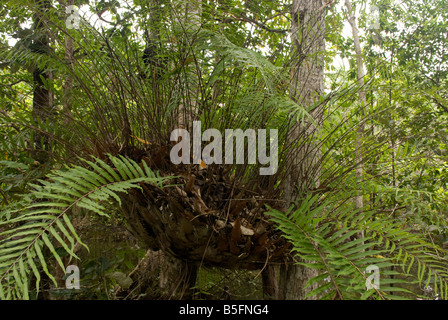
(324, 239)
(44, 222)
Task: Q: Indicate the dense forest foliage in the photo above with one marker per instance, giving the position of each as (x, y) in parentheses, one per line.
(340, 190)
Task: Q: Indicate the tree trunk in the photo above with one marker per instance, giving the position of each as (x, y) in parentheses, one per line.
(42, 98)
(270, 284)
(68, 83)
(160, 276)
(308, 37)
(359, 201)
(188, 16)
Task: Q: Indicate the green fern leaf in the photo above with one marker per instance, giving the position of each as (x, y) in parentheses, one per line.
(38, 223)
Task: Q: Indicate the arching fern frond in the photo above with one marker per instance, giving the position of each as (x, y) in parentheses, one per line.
(44, 221)
(324, 237)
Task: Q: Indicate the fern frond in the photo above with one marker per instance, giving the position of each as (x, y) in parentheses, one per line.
(326, 240)
(44, 222)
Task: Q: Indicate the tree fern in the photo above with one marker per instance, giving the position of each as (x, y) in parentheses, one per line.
(44, 222)
(324, 237)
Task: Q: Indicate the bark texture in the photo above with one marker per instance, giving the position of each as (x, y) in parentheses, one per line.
(42, 97)
(160, 276)
(270, 283)
(68, 83)
(359, 201)
(308, 36)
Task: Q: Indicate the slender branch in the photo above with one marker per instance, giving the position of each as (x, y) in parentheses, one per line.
(13, 84)
(259, 24)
